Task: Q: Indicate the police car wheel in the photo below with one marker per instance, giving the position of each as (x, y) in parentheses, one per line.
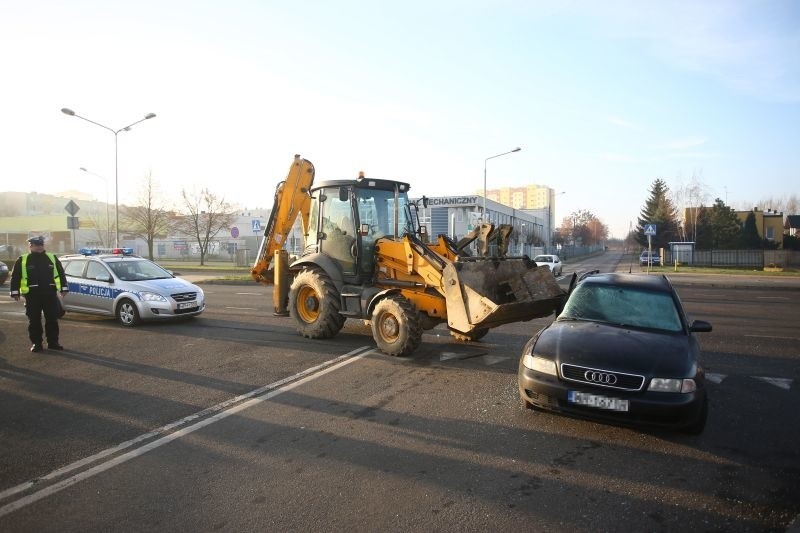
(127, 313)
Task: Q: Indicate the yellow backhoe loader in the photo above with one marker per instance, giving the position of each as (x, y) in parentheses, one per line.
(367, 257)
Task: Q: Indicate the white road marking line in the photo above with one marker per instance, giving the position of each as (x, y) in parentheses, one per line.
(783, 383)
(255, 397)
(773, 337)
(493, 359)
(715, 378)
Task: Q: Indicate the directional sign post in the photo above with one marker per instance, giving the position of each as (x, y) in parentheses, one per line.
(72, 221)
(72, 208)
(650, 231)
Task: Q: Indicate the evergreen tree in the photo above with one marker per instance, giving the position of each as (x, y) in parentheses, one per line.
(658, 210)
(703, 232)
(725, 227)
(751, 240)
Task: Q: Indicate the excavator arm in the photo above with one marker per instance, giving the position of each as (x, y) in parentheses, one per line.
(292, 199)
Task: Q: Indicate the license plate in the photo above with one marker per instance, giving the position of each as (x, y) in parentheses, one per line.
(598, 402)
(187, 305)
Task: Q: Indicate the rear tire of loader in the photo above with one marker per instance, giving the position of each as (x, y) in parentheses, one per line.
(314, 304)
(473, 336)
(396, 326)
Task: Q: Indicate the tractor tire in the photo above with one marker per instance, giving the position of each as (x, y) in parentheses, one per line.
(314, 304)
(473, 336)
(396, 326)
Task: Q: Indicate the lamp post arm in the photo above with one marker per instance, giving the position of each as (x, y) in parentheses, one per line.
(129, 126)
(95, 123)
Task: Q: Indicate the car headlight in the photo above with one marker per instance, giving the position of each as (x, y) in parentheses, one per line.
(539, 364)
(151, 297)
(672, 385)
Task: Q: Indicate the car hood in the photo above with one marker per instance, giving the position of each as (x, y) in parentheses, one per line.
(167, 285)
(605, 346)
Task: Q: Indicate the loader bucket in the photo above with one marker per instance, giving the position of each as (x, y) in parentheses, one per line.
(486, 292)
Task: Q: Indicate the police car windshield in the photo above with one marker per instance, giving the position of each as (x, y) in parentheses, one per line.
(138, 270)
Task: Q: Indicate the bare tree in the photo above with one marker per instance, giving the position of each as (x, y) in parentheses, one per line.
(688, 199)
(150, 218)
(100, 223)
(206, 216)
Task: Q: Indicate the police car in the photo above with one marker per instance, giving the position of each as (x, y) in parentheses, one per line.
(130, 288)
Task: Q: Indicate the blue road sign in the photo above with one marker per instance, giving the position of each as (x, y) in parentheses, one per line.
(649, 229)
(256, 225)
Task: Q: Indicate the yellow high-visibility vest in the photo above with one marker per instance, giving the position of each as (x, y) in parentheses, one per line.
(23, 283)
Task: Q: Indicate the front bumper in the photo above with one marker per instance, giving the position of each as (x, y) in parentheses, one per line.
(658, 409)
(165, 311)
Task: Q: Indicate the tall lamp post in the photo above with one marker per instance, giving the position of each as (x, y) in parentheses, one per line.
(108, 219)
(72, 113)
(517, 149)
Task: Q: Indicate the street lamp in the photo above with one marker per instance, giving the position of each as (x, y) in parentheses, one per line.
(108, 219)
(517, 149)
(72, 113)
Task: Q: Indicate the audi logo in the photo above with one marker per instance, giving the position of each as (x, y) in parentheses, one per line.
(600, 377)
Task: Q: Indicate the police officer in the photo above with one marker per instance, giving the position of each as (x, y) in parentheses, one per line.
(39, 276)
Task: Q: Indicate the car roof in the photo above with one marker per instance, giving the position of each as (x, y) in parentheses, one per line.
(103, 257)
(635, 281)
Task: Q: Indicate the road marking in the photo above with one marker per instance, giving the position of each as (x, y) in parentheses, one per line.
(783, 383)
(715, 378)
(222, 410)
(774, 337)
(493, 359)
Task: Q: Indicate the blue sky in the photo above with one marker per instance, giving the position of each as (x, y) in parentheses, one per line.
(603, 97)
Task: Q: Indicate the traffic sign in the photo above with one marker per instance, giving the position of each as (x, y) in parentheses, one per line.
(72, 208)
(256, 223)
(234, 232)
(649, 229)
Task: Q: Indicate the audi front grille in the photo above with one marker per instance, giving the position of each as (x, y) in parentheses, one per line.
(598, 377)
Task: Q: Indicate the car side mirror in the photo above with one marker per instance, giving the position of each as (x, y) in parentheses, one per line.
(700, 326)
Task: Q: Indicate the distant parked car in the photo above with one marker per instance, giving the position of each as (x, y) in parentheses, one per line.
(651, 258)
(552, 262)
(3, 273)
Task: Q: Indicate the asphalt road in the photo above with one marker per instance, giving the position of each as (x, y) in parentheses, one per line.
(233, 422)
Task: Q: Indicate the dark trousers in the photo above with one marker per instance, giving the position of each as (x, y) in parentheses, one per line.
(35, 305)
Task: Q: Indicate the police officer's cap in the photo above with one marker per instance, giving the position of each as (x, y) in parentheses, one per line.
(36, 240)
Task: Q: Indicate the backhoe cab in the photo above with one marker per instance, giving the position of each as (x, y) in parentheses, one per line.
(367, 257)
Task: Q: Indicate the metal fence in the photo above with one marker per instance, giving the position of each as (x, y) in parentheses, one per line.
(735, 258)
